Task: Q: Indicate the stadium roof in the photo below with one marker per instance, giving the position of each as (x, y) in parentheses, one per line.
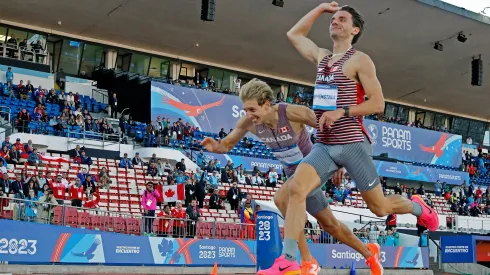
(251, 35)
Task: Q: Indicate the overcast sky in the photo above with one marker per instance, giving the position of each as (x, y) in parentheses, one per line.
(472, 5)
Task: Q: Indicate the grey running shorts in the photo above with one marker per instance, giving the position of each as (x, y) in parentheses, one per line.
(355, 157)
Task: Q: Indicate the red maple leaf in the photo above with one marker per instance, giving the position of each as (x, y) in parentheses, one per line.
(169, 193)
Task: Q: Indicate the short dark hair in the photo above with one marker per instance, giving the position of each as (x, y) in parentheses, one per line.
(356, 20)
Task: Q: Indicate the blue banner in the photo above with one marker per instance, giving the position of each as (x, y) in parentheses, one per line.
(414, 144)
(458, 249)
(200, 108)
(419, 173)
(248, 162)
(20, 242)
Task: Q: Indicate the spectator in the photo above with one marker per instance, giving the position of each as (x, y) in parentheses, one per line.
(75, 192)
(104, 178)
(30, 185)
(6, 143)
(125, 162)
(149, 203)
(5, 184)
(84, 159)
(34, 158)
(113, 104)
(164, 223)
(179, 214)
(30, 205)
(391, 222)
(70, 100)
(83, 174)
(190, 190)
(193, 214)
(23, 119)
(89, 185)
(59, 190)
(438, 188)
(234, 196)
(92, 202)
(247, 217)
(181, 165)
(213, 182)
(257, 180)
(9, 75)
(421, 190)
(137, 160)
(214, 200)
(273, 177)
(16, 187)
(222, 134)
(200, 190)
(45, 206)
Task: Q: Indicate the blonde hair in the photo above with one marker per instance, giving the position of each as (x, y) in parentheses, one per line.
(258, 90)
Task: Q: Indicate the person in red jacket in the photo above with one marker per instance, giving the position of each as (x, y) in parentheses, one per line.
(179, 214)
(93, 201)
(59, 190)
(75, 192)
(159, 188)
(164, 221)
(391, 222)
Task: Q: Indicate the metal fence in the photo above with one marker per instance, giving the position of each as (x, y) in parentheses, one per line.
(54, 213)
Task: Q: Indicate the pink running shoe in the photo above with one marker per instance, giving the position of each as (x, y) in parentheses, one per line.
(282, 266)
(429, 218)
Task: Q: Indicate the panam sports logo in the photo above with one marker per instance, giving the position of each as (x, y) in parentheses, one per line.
(391, 137)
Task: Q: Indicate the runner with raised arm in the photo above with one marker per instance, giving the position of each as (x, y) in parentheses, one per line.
(344, 77)
(282, 128)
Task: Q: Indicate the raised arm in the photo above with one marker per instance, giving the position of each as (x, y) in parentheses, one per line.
(298, 34)
(225, 145)
(301, 114)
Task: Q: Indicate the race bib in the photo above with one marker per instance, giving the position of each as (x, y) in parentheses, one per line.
(148, 202)
(325, 97)
(288, 155)
(59, 192)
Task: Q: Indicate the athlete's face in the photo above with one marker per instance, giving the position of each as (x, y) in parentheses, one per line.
(342, 26)
(255, 112)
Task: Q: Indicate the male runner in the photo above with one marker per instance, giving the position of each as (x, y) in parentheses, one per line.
(282, 128)
(344, 76)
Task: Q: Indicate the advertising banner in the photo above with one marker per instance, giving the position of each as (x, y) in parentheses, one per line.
(414, 144)
(210, 111)
(419, 173)
(457, 249)
(20, 242)
(339, 255)
(247, 162)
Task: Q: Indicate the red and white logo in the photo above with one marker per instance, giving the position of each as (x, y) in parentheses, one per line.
(334, 69)
(284, 129)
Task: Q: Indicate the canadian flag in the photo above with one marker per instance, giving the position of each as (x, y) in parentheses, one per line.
(284, 129)
(56, 159)
(173, 193)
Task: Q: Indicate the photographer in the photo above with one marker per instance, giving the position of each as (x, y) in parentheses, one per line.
(45, 204)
